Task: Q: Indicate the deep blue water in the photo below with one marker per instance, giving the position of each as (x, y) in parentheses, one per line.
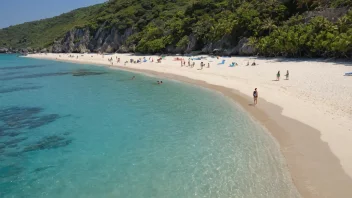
(104, 135)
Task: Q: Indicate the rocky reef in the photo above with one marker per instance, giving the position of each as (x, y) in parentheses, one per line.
(17, 124)
(84, 72)
(50, 142)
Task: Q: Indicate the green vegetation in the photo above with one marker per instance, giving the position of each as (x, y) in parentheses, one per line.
(319, 37)
(43, 33)
(275, 27)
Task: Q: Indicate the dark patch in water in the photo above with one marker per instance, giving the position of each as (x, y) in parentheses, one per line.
(21, 67)
(18, 112)
(15, 141)
(35, 76)
(84, 72)
(13, 154)
(43, 120)
(42, 168)
(11, 73)
(15, 119)
(14, 89)
(67, 133)
(22, 117)
(49, 142)
(10, 170)
(13, 146)
(74, 73)
(12, 134)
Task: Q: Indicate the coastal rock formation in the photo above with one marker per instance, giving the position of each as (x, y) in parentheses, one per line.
(331, 14)
(4, 50)
(244, 48)
(76, 40)
(83, 40)
(106, 40)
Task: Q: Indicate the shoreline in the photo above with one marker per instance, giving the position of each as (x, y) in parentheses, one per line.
(315, 170)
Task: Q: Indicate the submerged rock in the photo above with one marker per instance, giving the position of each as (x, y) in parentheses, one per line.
(43, 120)
(21, 67)
(13, 146)
(11, 116)
(66, 133)
(42, 168)
(15, 141)
(12, 134)
(14, 89)
(86, 73)
(15, 118)
(50, 142)
(34, 76)
(13, 154)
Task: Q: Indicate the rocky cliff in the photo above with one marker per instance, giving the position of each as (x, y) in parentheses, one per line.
(83, 40)
(110, 40)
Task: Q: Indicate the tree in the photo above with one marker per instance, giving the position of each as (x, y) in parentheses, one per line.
(268, 24)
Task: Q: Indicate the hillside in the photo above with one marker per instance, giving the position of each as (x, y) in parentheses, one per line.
(313, 28)
(42, 33)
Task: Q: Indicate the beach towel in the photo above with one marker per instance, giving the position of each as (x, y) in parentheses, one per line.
(348, 74)
(222, 62)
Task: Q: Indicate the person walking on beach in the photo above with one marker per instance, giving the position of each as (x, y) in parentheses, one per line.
(287, 75)
(278, 76)
(255, 96)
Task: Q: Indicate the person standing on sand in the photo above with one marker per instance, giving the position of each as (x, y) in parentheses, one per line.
(278, 76)
(255, 96)
(287, 75)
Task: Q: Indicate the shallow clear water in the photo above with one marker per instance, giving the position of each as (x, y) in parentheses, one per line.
(108, 136)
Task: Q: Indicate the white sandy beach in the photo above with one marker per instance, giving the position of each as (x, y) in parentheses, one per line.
(317, 93)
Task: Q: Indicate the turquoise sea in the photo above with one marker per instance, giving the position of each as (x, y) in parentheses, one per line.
(71, 131)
